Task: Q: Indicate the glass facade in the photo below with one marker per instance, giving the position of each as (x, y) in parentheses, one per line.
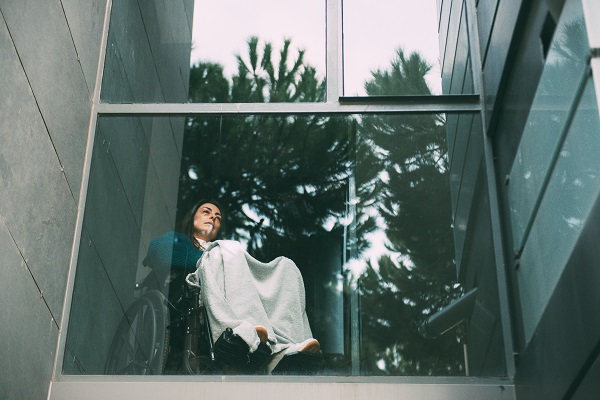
(392, 37)
(554, 178)
(274, 51)
(239, 52)
(560, 86)
(361, 204)
(321, 128)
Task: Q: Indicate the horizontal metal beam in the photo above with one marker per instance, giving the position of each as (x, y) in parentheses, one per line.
(277, 388)
(397, 105)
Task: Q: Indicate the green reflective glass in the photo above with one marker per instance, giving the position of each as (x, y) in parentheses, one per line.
(360, 203)
(203, 51)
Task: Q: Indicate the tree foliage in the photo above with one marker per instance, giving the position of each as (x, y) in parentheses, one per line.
(279, 176)
(401, 291)
(287, 182)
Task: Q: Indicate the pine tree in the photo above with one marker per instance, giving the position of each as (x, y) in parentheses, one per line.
(418, 279)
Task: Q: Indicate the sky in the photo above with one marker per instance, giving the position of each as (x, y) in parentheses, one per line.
(373, 30)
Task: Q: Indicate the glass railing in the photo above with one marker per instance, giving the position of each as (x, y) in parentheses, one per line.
(360, 203)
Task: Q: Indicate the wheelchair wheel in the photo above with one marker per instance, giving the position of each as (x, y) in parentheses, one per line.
(140, 344)
(198, 356)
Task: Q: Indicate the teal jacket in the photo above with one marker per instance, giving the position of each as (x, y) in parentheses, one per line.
(173, 250)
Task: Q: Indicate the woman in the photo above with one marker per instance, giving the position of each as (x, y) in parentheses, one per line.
(261, 303)
(202, 223)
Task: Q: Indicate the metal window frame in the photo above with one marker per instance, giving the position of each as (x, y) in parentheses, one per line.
(591, 13)
(71, 386)
(490, 175)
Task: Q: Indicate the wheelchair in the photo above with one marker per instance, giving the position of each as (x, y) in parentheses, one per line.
(161, 334)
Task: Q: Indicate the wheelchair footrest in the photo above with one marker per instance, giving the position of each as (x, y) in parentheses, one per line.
(232, 351)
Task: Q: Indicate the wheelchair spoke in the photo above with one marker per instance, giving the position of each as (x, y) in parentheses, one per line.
(139, 344)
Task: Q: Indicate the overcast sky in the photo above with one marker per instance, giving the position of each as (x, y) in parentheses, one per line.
(373, 30)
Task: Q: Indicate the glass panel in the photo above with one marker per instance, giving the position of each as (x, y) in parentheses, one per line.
(255, 51)
(361, 204)
(397, 39)
(559, 86)
(572, 191)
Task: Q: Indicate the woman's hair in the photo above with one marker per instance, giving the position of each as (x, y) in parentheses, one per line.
(187, 223)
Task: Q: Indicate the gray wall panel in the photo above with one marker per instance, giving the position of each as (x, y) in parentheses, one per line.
(169, 40)
(178, 126)
(128, 35)
(444, 26)
(110, 222)
(88, 344)
(500, 41)
(473, 162)
(119, 87)
(30, 175)
(86, 20)
(49, 59)
(156, 217)
(189, 12)
(468, 86)
(149, 50)
(451, 121)
(459, 66)
(451, 44)
(166, 158)
(129, 150)
(463, 134)
(27, 329)
(486, 12)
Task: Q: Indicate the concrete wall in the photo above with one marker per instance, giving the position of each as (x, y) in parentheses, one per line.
(134, 176)
(49, 51)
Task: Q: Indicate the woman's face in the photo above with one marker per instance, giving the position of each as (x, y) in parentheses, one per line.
(207, 222)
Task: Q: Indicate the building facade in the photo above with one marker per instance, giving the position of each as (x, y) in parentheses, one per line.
(93, 119)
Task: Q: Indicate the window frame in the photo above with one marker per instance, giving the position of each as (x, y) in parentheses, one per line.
(71, 386)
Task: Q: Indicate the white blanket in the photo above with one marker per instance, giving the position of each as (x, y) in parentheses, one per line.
(241, 292)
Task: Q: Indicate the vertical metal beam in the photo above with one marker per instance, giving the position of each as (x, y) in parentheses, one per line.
(591, 13)
(334, 51)
(64, 322)
(490, 173)
(355, 315)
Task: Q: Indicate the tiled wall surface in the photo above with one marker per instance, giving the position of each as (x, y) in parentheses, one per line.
(50, 51)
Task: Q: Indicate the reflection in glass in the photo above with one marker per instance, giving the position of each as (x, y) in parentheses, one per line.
(262, 75)
(403, 32)
(560, 84)
(573, 190)
(148, 52)
(360, 203)
(258, 51)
